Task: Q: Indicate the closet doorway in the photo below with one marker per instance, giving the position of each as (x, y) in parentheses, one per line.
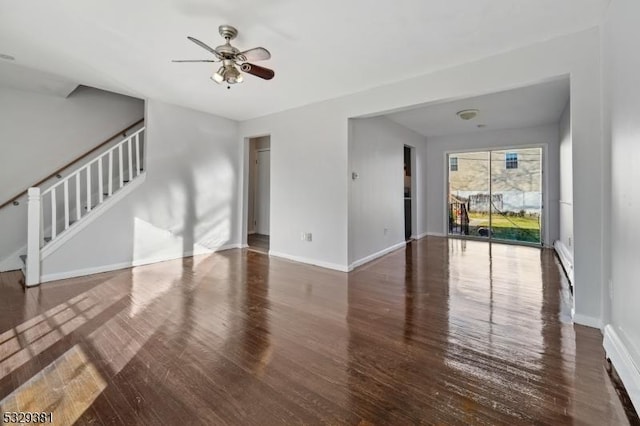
(259, 194)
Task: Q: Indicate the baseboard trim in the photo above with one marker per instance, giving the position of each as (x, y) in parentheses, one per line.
(623, 362)
(95, 213)
(84, 272)
(587, 321)
(565, 258)
(129, 264)
(377, 255)
(436, 234)
(322, 264)
(420, 236)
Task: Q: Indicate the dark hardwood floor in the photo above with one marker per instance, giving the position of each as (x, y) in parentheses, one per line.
(439, 333)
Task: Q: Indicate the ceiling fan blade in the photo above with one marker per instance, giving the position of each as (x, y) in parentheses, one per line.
(204, 46)
(256, 54)
(258, 71)
(194, 60)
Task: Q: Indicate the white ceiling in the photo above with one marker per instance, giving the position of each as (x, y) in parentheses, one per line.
(23, 78)
(530, 106)
(321, 49)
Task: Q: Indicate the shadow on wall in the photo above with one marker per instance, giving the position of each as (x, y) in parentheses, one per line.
(192, 215)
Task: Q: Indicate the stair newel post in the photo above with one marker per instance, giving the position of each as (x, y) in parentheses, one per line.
(34, 236)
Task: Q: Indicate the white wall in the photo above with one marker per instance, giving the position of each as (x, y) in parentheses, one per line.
(263, 142)
(308, 183)
(565, 237)
(376, 198)
(188, 203)
(622, 104)
(438, 146)
(40, 133)
(310, 160)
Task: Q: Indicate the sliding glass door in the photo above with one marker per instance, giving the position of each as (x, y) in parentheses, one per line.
(496, 194)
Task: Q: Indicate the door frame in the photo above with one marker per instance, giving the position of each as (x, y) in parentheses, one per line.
(544, 212)
(414, 190)
(243, 201)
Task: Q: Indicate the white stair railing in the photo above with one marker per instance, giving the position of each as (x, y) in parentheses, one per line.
(55, 210)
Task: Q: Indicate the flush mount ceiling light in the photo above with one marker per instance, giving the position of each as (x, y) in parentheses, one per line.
(7, 57)
(468, 114)
(233, 60)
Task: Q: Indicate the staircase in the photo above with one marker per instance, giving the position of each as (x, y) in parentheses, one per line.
(91, 187)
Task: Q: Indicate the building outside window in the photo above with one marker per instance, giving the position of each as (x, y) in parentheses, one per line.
(511, 160)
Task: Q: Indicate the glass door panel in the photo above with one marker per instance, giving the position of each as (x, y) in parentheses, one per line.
(468, 212)
(496, 194)
(516, 201)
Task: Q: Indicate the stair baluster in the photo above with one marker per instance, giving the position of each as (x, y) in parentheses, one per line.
(138, 154)
(120, 165)
(88, 187)
(38, 222)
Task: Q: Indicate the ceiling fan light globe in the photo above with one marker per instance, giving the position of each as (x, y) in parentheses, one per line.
(232, 75)
(218, 76)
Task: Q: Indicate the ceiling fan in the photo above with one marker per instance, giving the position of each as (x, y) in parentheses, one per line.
(232, 59)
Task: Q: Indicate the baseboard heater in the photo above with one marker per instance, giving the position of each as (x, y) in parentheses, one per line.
(566, 259)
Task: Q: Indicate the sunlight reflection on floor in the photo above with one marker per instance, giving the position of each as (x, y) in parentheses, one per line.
(66, 388)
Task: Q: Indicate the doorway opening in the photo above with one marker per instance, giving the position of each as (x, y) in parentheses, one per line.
(496, 195)
(259, 199)
(409, 192)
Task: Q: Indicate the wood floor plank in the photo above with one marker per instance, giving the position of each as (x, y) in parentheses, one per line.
(443, 332)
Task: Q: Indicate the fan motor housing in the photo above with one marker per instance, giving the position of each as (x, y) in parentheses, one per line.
(227, 50)
(228, 32)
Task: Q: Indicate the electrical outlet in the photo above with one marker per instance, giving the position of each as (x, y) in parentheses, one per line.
(306, 236)
(309, 236)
